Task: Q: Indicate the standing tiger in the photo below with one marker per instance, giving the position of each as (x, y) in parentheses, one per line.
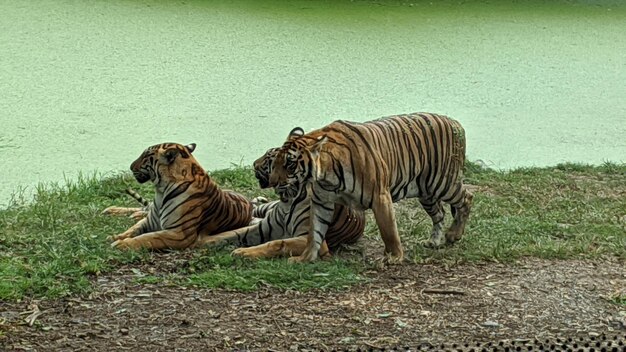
(284, 224)
(372, 165)
(188, 206)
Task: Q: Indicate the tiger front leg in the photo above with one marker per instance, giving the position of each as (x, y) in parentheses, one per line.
(386, 221)
(320, 216)
(135, 230)
(279, 248)
(171, 239)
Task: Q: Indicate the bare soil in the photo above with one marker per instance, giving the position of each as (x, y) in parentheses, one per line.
(399, 306)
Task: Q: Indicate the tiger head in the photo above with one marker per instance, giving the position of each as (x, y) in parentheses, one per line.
(166, 163)
(295, 163)
(263, 167)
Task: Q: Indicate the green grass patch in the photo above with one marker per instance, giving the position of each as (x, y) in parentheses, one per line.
(53, 245)
(220, 270)
(215, 268)
(620, 300)
(565, 211)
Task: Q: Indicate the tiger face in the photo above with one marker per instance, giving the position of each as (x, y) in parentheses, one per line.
(263, 167)
(294, 164)
(166, 162)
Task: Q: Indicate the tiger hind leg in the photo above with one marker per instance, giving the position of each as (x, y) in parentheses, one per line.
(436, 213)
(279, 248)
(460, 212)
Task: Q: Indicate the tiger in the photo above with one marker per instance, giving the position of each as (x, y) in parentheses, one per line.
(188, 205)
(373, 164)
(285, 223)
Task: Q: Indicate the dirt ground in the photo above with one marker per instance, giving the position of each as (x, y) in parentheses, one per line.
(398, 307)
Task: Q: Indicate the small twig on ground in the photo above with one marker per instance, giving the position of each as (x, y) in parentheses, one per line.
(34, 314)
(369, 344)
(443, 291)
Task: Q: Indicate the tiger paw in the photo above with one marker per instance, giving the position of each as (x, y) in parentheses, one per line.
(300, 259)
(259, 200)
(118, 237)
(109, 211)
(326, 256)
(430, 243)
(453, 236)
(123, 244)
(391, 259)
(243, 253)
(138, 215)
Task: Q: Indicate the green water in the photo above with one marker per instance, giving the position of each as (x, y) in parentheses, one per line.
(87, 85)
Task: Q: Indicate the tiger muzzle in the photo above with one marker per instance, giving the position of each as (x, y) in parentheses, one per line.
(141, 177)
(263, 181)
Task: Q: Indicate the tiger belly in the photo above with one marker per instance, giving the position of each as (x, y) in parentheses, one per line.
(412, 190)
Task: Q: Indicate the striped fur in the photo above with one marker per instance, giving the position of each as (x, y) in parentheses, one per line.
(188, 206)
(260, 207)
(372, 165)
(131, 192)
(289, 219)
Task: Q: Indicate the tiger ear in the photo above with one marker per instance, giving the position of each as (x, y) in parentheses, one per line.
(316, 147)
(295, 133)
(170, 155)
(190, 147)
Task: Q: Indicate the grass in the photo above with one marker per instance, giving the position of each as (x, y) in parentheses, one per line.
(54, 245)
(558, 212)
(211, 268)
(619, 300)
(222, 270)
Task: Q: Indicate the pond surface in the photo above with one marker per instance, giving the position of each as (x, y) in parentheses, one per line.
(87, 85)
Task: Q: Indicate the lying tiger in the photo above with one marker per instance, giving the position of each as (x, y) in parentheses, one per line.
(188, 206)
(289, 218)
(371, 165)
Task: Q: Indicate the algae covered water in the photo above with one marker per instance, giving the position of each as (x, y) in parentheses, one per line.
(87, 86)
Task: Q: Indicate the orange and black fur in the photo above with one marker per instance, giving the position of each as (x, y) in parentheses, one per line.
(284, 225)
(371, 165)
(188, 206)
